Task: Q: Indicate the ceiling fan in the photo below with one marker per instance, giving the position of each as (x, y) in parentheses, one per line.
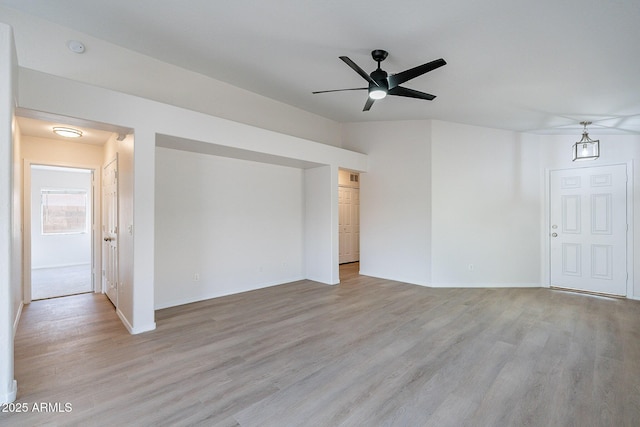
(382, 84)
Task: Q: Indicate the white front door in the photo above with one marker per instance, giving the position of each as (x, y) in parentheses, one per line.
(588, 229)
(110, 230)
(349, 223)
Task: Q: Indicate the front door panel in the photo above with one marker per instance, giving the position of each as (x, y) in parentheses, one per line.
(588, 229)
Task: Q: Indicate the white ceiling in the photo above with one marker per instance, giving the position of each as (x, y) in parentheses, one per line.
(538, 67)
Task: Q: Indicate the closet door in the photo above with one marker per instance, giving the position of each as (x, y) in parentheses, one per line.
(349, 223)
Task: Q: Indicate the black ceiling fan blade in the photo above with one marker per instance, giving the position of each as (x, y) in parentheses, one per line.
(397, 79)
(358, 70)
(339, 90)
(410, 93)
(368, 104)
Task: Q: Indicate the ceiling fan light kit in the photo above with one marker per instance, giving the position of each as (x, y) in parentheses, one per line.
(377, 93)
(382, 84)
(586, 148)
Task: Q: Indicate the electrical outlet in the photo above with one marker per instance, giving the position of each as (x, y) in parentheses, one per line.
(196, 277)
(470, 267)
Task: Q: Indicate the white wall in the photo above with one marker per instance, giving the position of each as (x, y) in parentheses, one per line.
(10, 247)
(321, 224)
(486, 207)
(440, 196)
(127, 256)
(237, 224)
(59, 250)
(17, 242)
(57, 152)
(395, 198)
(482, 192)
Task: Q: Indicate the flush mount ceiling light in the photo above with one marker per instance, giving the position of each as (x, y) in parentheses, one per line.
(67, 132)
(586, 148)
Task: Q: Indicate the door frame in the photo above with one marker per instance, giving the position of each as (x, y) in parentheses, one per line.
(96, 248)
(546, 225)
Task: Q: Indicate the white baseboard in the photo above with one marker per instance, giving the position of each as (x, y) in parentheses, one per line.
(10, 395)
(457, 285)
(210, 295)
(131, 329)
(485, 285)
(395, 279)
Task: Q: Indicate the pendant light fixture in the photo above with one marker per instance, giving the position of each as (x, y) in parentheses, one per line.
(586, 148)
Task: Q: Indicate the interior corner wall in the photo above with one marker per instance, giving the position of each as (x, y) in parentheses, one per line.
(395, 198)
(486, 207)
(224, 226)
(614, 149)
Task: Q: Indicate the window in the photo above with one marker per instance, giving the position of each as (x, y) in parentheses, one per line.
(64, 211)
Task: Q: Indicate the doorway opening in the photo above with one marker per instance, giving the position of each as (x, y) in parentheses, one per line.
(348, 222)
(62, 220)
(61, 190)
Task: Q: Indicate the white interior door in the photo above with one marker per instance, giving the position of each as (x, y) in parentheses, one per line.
(588, 221)
(110, 230)
(349, 223)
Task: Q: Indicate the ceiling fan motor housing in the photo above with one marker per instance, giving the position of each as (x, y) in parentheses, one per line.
(380, 77)
(379, 55)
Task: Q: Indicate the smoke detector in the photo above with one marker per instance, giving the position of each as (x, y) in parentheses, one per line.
(75, 46)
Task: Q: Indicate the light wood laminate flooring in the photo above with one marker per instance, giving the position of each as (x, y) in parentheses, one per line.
(367, 352)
